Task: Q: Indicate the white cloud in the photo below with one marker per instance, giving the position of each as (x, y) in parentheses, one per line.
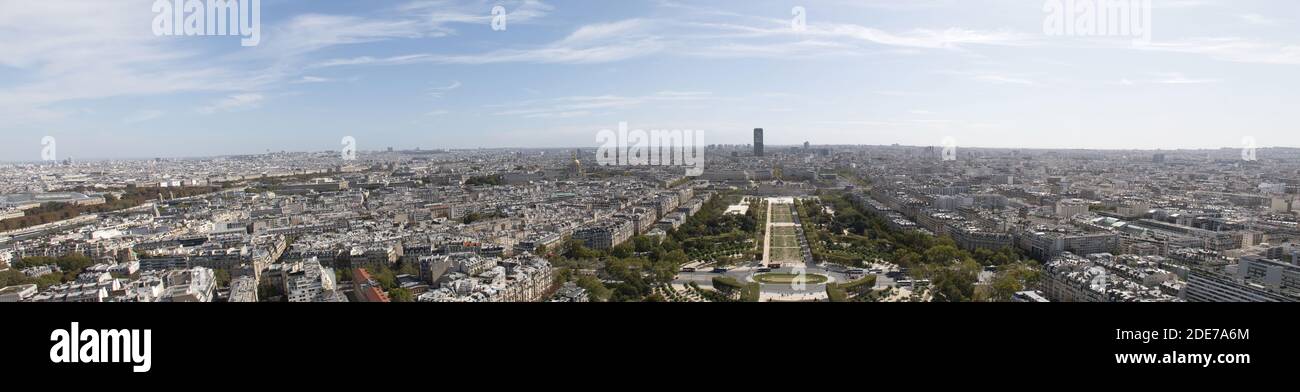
(1257, 20)
(993, 77)
(598, 43)
(1233, 50)
(312, 79)
(1179, 78)
(142, 116)
(1003, 79)
(762, 38)
(235, 102)
(580, 106)
(440, 15)
(62, 51)
(439, 92)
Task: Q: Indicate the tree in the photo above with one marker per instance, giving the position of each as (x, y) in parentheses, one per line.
(13, 277)
(643, 243)
(670, 244)
(483, 180)
(222, 278)
(955, 283)
(623, 250)
(942, 254)
(400, 295)
(266, 291)
(408, 268)
(1013, 278)
(676, 257)
(576, 249)
(385, 277)
(28, 262)
(595, 289)
(73, 264)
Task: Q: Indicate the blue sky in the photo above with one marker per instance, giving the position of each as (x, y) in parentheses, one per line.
(433, 74)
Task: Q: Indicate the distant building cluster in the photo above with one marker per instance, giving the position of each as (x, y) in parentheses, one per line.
(311, 228)
(1206, 225)
(477, 225)
(471, 278)
(1107, 278)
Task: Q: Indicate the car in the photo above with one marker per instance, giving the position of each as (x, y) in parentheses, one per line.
(688, 269)
(719, 270)
(764, 270)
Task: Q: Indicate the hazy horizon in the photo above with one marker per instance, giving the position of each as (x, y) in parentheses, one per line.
(437, 75)
(772, 148)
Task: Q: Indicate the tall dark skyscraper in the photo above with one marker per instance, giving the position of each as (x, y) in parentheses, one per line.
(758, 142)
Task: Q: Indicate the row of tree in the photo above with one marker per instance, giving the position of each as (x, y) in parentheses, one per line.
(69, 266)
(131, 197)
(631, 270)
(953, 272)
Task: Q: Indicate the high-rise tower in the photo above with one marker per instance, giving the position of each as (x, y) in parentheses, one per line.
(758, 142)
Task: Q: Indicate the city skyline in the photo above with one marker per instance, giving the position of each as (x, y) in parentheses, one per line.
(730, 147)
(440, 75)
(182, 181)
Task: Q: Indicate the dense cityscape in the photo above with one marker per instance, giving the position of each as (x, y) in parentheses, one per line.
(762, 223)
(609, 188)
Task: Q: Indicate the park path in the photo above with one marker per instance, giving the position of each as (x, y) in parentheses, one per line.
(767, 229)
(767, 235)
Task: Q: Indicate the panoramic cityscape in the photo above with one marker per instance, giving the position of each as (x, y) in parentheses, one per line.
(648, 151)
(761, 223)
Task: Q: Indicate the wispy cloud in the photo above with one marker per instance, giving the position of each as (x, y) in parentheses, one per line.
(1179, 78)
(439, 92)
(235, 102)
(1257, 20)
(1238, 50)
(143, 116)
(597, 43)
(312, 79)
(581, 106)
(992, 77)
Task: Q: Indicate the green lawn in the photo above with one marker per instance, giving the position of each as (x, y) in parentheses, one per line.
(785, 241)
(786, 254)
